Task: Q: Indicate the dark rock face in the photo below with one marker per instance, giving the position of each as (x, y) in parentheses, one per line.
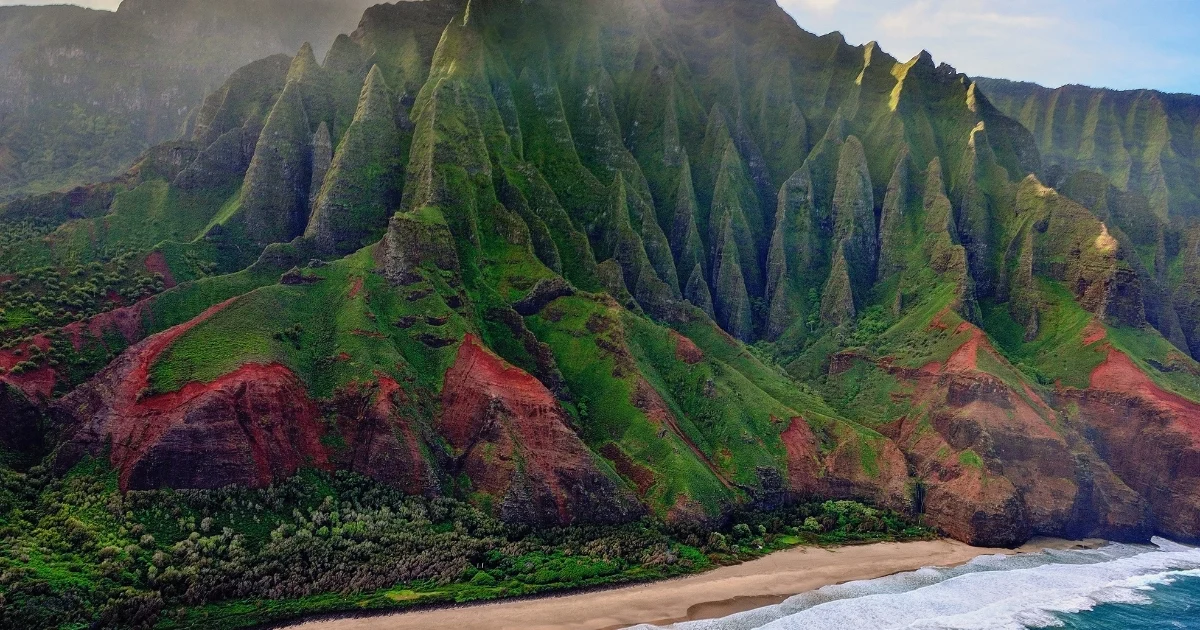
(413, 241)
(22, 429)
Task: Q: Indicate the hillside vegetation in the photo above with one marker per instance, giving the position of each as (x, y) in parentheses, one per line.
(651, 273)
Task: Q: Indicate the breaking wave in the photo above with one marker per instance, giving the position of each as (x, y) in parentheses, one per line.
(988, 593)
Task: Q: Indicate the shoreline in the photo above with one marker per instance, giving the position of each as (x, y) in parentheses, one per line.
(717, 593)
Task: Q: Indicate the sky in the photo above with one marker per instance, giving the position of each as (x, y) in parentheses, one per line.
(1121, 44)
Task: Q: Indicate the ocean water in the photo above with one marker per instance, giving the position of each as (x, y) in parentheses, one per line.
(1118, 587)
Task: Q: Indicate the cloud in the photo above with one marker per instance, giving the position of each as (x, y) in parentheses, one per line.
(926, 18)
(821, 6)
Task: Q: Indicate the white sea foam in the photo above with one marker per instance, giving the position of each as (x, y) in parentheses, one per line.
(989, 593)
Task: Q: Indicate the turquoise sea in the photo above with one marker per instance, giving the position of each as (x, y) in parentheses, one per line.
(1170, 605)
(1117, 587)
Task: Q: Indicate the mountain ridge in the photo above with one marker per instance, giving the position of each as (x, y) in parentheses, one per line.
(596, 206)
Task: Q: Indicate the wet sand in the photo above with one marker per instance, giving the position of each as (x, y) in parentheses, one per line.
(717, 593)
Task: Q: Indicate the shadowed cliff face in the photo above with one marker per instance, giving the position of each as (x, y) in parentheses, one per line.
(515, 252)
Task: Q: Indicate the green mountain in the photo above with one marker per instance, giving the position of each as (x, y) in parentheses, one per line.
(1134, 159)
(599, 262)
(83, 93)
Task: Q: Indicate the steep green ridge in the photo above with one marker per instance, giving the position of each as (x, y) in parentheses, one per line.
(1133, 159)
(586, 262)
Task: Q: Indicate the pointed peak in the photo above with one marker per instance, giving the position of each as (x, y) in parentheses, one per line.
(903, 170)
(836, 37)
(375, 78)
(618, 183)
(303, 64)
(374, 101)
(873, 55)
(853, 152)
(802, 177)
(323, 136)
(924, 60)
(837, 301)
(935, 183)
(686, 188)
(717, 116)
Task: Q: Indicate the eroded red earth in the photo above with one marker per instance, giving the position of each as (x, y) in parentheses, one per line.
(511, 437)
(249, 427)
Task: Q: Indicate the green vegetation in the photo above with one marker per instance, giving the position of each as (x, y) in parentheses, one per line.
(1058, 354)
(75, 551)
(728, 263)
(41, 299)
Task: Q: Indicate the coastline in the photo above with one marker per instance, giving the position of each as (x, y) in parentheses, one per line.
(717, 593)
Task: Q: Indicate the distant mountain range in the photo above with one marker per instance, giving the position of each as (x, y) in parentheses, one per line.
(83, 92)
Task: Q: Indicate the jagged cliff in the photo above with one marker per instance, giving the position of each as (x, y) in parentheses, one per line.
(515, 252)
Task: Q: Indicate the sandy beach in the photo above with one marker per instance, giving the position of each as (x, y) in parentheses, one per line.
(718, 593)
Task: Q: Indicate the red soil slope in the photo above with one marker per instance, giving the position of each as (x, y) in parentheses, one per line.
(997, 463)
(250, 427)
(510, 436)
(1150, 435)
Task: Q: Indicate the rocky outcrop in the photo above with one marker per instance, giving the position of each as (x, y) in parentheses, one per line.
(510, 437)
(854, 226)
(685, 235)
(831, 464)
(382, 440)
(997, 465)
(731, 300)
(793, 253)
(837, 300)
(415, 240)
(322, 161)
(893, 221)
